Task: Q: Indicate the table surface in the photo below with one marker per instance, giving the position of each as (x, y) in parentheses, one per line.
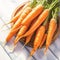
(6, 9)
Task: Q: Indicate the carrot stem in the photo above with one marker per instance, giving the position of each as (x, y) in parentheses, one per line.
(56, 13)
(53, 4)
(52, 29)
(33, 3)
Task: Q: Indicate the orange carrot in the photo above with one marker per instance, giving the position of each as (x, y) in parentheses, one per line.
(39, 21)
(18, 23)
(52, 28)
(39, 35)
(51, 31)
(43, 40)
(34, 13)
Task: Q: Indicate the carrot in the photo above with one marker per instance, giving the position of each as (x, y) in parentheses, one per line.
(52, 29)
(39, 35)
(40, 19)
(34, 13)
(43, 40)
(22, 31)
(17, 24)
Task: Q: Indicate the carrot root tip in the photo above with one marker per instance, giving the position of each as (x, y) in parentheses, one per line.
(4, 43)
(45, 50)
(12, 48)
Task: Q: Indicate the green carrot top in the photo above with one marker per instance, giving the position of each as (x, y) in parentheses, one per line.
(33, 3)
(36, 2)
(55, 13)
(45, 3)
(53, 4)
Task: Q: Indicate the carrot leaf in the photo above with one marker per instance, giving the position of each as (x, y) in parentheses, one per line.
(53, 4)
(56, 10)
(33, 3)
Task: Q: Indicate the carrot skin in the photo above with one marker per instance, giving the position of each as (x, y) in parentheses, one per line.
(39, 35)
(51, 31)
(43, 40)
(34, 13)
(39, 21)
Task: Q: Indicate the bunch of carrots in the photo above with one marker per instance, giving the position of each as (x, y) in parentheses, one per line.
(35, 17)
